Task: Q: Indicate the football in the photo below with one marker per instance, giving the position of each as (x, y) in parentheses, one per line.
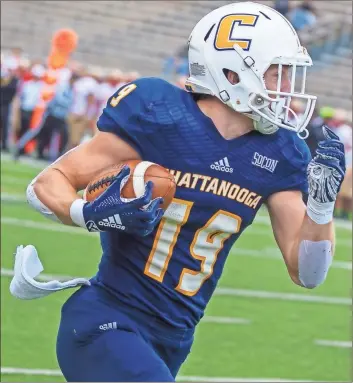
(140, 173)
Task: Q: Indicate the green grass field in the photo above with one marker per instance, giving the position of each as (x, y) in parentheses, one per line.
(277, 340)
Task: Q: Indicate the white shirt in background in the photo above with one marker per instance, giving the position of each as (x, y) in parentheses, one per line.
(82, 88)
(104, 92)
(64, 76)
(30, 94)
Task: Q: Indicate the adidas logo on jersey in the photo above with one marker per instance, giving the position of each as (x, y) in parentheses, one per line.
(222, 166)
(108, 326)
(113, 221)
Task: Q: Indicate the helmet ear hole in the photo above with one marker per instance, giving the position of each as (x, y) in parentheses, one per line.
(231, 76)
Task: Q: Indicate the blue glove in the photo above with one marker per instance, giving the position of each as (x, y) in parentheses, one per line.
(111, 212)
(327, 169)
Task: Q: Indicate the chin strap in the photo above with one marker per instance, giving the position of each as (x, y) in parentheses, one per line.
(265, 126)
(306, 134)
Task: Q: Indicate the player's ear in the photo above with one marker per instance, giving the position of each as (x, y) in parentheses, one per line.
(232, 77)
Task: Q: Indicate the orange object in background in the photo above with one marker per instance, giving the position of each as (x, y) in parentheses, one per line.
(63, 44)
(57, 60)
(65, 41)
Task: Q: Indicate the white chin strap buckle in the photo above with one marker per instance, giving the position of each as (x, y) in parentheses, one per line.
(305, 135)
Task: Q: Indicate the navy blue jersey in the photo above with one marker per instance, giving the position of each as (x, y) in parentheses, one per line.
(221, 184)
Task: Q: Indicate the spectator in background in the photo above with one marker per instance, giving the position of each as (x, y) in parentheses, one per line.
(303, 16)
(56, 120)
(97, 74)
(9, 83)
(24, 70)
(84, 91)
(64, 76)
(177, 64)
(13, 58)
(129, 77)
(29, 97)
(110, 84)
(282, 6)
(23, 74)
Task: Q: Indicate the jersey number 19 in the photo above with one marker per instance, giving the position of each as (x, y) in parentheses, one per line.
(205, 246)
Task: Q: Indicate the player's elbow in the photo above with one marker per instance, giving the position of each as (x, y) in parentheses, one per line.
(313, 263)
(31, 195)
(32, 191)
(38, 186)
(33, 200)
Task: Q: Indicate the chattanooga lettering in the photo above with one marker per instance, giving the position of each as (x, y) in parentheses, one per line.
(216, 186)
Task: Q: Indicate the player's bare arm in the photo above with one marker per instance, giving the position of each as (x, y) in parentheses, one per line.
(291, 226)
(54, 192)
(57, 186)
(305, 234)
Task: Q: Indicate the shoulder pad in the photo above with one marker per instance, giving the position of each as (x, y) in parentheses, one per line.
(295, 151)
(129, 112)
(136, 99)
(294, 157)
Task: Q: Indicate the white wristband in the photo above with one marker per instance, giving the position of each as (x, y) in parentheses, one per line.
(76, 213)
(321, 213)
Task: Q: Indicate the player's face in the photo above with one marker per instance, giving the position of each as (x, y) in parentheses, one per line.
(271, 78)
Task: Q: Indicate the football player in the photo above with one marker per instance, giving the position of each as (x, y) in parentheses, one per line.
(233, 144)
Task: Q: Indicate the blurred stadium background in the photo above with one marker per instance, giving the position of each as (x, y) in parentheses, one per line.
(258, 325)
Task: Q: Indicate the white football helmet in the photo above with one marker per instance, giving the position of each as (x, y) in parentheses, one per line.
(247, 38)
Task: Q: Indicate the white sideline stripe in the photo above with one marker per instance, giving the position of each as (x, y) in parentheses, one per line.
(274, 253)
(46, 226)
(14, 180)
(260, 219)
(267, 252)
(224, 320)
(271, 253)
(66, 229)
(333, 343)
(29, 371)
(206, 379)
(7, 197)
(224, 291)
(34, 163)
(345, 265)
(265, 219)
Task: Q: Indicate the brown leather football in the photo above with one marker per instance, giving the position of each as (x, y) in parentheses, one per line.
(140, 173)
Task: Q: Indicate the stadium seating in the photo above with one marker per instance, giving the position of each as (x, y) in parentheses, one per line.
(139, 35)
